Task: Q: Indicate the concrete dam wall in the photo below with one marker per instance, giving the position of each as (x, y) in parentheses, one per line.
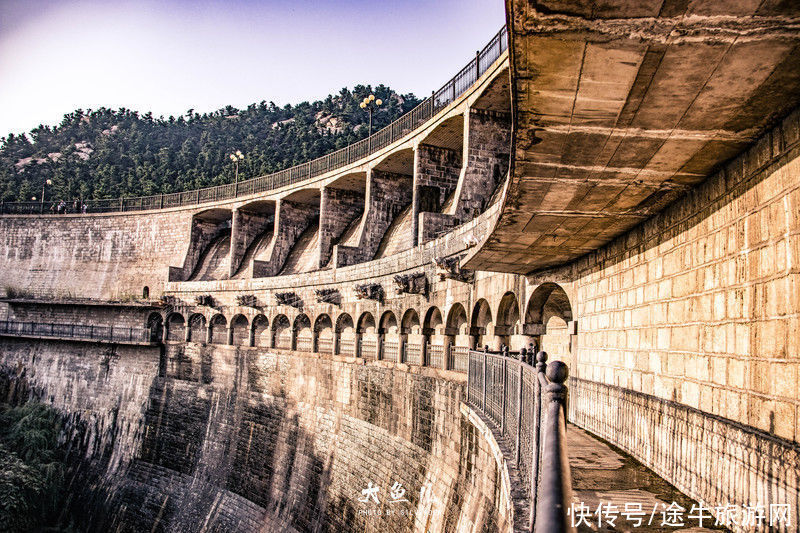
(220, 438)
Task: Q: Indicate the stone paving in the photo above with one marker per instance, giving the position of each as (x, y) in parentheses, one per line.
(604, 474)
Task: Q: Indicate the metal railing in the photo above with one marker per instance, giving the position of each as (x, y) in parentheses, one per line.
(528, 407)
(398, 129)
(458, 360)
(114, 334)
(413, 354)
(368, 349)
(325, 346)
(391, 351)
(304, 344)
(436, 355)
(347, 347)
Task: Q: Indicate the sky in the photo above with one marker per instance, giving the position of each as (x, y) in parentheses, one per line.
(171, 56)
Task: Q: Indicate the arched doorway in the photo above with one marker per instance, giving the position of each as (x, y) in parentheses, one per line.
(240, 331)
(367, 337)
(508, 329)
(389, 337)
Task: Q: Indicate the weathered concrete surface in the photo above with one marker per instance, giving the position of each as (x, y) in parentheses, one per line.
(633, 102)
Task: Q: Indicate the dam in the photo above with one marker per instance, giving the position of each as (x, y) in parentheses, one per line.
(595, 221)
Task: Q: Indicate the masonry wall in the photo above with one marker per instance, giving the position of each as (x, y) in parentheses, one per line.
(93, 256)
(700, 306)
(241, 439)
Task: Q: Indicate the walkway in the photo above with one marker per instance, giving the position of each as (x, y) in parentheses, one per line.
(602, 474)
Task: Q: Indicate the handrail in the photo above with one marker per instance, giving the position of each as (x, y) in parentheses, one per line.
(528, 407)
(449, 92)
(115, 334)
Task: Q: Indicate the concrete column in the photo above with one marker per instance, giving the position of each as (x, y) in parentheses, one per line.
(291, 219)
(487, 137)
(246, 226)
(387, 194)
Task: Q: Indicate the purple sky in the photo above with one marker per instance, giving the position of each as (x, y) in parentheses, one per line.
(170, 56)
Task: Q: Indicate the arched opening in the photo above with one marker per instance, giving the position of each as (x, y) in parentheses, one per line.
(218, 330)
(303, 336)
(176, 328)
(260, 331)
(458, 332)
(481, 327)
(508, 330)
(281, 333)
(411, 338)
(345, 335)
(436, 342)
(367, 337)
(155, 325)
(145, 292)
(240, 331)
(197, 328)
(389, 337)
(549, 322)
(323, 334)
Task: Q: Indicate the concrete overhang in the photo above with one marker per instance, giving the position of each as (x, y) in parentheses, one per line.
(632, 103)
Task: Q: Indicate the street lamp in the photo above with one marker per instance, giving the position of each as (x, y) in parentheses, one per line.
(236, 157)
(46, 183)
(370, 104)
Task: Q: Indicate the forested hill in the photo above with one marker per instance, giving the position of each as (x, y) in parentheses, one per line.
(107, 153)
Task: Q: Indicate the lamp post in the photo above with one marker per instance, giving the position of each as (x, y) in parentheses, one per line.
(45, 184)
(236, 157)
(370, 104)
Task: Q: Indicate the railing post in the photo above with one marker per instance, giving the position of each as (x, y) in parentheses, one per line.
(485, 361)
(541, 366)
(556, 483)
(161, 204)
(503, 410)
(521, 367)
(477, 64)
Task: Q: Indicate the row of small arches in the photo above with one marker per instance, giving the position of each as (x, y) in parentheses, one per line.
(480, 326)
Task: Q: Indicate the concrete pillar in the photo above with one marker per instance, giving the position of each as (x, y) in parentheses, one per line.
(487, 137)
(387, 194)
(291, 219)
(246, 226)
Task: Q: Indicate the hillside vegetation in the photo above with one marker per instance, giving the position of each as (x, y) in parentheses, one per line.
(107, 153)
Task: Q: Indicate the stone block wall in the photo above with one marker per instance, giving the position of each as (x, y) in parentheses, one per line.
(252, 440)
(486, 159)
(387, 194)
(94, 256)
(699, 306)
(436, 174)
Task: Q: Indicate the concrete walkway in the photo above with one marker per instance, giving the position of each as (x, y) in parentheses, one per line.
(602, 474)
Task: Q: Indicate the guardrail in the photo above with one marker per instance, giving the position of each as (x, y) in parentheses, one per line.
(528, 407)
(398, 129)
(115, 334)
